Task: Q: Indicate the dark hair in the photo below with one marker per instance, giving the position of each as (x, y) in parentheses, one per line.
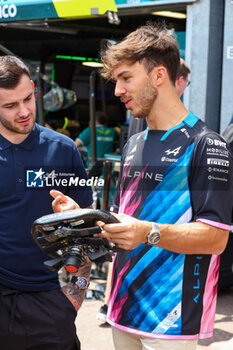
(152, 44)
(183, 70)
(11, 71)
(101, 117)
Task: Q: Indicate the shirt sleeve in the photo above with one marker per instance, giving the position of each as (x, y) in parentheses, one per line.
(211, 181)
(85, 136)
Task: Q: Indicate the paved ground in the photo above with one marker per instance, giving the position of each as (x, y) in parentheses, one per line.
(96, 336)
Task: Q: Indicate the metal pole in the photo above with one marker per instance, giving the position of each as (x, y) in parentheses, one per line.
(92, 116)
(6, 51)
(40, 97)
(102, 94)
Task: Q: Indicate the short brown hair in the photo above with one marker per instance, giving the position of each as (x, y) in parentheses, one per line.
(183, 70)
(101, 117)
(153, 45)
(11, 70)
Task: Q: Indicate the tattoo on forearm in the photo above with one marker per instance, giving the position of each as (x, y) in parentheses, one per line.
(71, 290)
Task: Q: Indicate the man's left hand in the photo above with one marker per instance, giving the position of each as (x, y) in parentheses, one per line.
(127, 234)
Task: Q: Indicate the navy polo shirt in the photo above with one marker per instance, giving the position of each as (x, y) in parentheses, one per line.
(45, 160)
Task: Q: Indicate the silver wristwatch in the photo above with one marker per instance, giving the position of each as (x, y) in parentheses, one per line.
(81, 282)
(154, 235)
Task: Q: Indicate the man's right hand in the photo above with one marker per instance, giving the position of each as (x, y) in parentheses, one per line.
(62, 202)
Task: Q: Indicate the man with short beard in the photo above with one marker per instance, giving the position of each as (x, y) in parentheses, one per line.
(34, 312)
(174, 202)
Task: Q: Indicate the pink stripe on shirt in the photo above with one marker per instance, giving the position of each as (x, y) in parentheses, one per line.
(215, 224)
(210, 298)
(151, 335)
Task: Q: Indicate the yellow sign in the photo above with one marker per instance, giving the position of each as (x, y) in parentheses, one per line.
(83, 8)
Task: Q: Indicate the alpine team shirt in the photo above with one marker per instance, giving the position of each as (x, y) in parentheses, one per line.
(174, 177)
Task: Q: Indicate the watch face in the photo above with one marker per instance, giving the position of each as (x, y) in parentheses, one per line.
(82, 282)
(153, 237)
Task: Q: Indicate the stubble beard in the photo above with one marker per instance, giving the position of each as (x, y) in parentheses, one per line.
(9, 126)
(147, 96)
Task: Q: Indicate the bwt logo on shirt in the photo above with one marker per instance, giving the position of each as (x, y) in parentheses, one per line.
(35, 178)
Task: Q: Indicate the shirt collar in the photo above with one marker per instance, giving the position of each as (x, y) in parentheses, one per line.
(26, 144)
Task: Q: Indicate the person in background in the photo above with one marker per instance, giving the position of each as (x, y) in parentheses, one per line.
(182, 77)
(106, 138)
(63, 131)
(35, 312)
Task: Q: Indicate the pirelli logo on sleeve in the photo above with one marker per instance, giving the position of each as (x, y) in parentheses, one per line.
(217, 161)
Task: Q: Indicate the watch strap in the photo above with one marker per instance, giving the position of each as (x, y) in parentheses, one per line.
(153, 236)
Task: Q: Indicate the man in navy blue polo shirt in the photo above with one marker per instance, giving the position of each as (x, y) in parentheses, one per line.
(35, 313)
